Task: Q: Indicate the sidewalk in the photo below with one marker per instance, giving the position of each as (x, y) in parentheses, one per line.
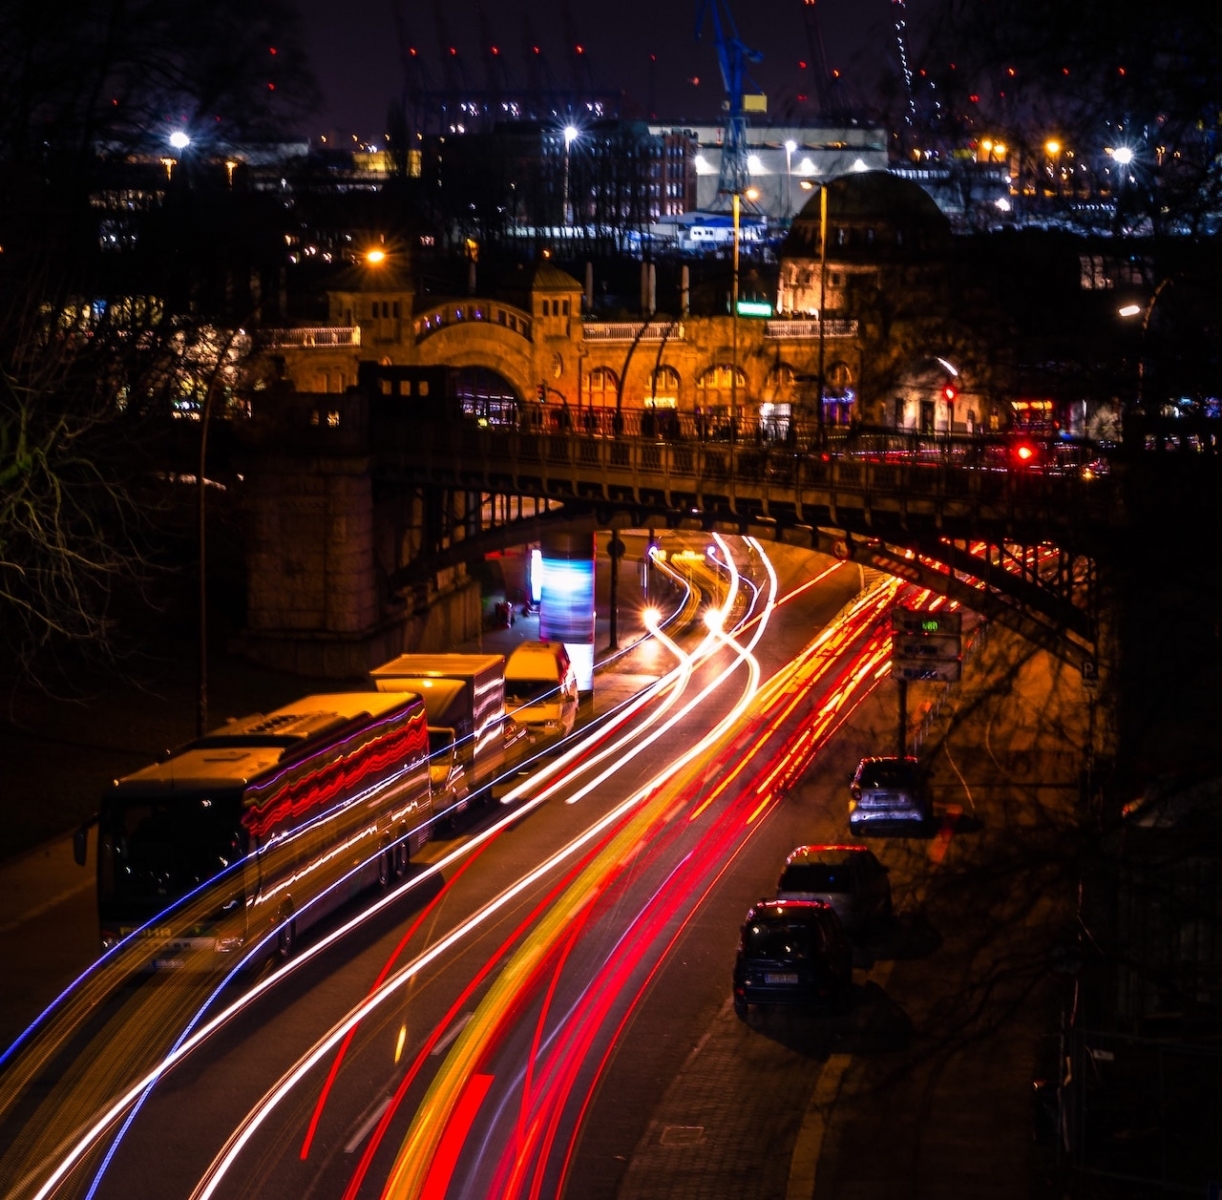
(925, 1089)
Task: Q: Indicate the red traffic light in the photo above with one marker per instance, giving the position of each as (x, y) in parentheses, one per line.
(949, 392)
(1025, 453)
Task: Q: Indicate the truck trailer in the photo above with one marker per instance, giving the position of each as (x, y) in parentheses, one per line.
(464, 699)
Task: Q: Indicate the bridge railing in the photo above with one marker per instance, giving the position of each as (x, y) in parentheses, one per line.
(802, 435)
(797, 477)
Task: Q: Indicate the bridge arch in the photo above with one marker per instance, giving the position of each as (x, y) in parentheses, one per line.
(490, 348)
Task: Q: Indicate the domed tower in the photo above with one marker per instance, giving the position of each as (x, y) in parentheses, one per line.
(875, 221)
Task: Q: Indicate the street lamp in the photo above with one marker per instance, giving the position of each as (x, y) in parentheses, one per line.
(822, 301)
(570, 136)
(1052, 148)
(1132, 310)
(735, 202)
(790, 147)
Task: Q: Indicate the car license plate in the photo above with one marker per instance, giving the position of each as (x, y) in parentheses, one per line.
(781, 977)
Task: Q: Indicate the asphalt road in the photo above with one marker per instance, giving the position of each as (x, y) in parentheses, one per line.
(672, 1094)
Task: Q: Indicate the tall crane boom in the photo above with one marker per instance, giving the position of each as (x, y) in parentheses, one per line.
(818, 57)
(732, 56)
(899, 14)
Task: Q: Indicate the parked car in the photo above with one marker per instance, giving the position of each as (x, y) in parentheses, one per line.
(889, 792)
(792, 952)
(847, 878)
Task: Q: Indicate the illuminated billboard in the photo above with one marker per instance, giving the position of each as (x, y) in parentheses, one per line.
(566, 607)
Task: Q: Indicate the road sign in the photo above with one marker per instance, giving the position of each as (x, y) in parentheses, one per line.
(945, 646)
(1090, 673)
(929, 671)
(908, 620)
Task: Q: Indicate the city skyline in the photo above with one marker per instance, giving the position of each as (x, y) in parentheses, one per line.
(358, 61)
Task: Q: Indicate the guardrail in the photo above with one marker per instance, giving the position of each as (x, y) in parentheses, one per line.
(628, 331)
(809, 330)
(311, 337)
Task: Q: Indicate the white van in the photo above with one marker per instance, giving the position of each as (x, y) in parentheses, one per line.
(541, 690)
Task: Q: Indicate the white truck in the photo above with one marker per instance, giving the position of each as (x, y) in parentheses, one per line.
(464, 699)
(541, 691)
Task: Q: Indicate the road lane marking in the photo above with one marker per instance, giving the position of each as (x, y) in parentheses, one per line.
(451, 1033)
(354, 1142)
(804, 1165)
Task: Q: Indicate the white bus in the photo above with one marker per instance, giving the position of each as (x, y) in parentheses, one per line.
(261, 827)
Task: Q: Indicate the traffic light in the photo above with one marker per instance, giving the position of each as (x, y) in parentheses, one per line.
(541, 392)
(949, 392)
(1025, 454)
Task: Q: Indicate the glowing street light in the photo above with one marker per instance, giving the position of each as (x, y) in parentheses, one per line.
(571, 133)
(375, 257)
(1132, 310)
(179, 140)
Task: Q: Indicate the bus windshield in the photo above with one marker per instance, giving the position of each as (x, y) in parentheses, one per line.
(155, 849)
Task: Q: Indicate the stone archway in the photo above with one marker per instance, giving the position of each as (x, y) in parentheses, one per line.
(487, 396)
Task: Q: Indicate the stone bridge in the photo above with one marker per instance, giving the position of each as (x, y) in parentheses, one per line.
(374, 509)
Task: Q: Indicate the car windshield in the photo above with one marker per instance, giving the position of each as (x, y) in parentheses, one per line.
(816, 877)
(887, 774)
(160, 848)
(526, 691)
(781, 941)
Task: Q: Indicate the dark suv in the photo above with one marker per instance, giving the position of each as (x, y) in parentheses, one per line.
(848, 878)
(889, 792)
(792, 952)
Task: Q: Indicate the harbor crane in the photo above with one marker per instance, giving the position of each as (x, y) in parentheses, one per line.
(733, 55)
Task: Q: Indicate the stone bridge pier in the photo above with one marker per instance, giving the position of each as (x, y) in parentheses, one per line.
(323, 542)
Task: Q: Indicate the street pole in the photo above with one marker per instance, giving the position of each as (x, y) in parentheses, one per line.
(734, 324)
(201, 700)
(790, 147)
(901, 748)
(822, 301)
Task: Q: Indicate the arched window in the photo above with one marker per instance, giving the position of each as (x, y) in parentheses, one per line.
(838, 381)
(664, 389)
(782, 381)
(600, 388)
(716, 390)
(839, 395)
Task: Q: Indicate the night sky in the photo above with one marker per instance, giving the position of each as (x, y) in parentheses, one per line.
(354, 47)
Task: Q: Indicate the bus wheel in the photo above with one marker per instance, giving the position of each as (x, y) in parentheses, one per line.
(386, 868)
(286, 936)
(400, 857)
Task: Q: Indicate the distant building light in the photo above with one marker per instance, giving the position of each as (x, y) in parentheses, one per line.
(1129, 310)
(1002, 203)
